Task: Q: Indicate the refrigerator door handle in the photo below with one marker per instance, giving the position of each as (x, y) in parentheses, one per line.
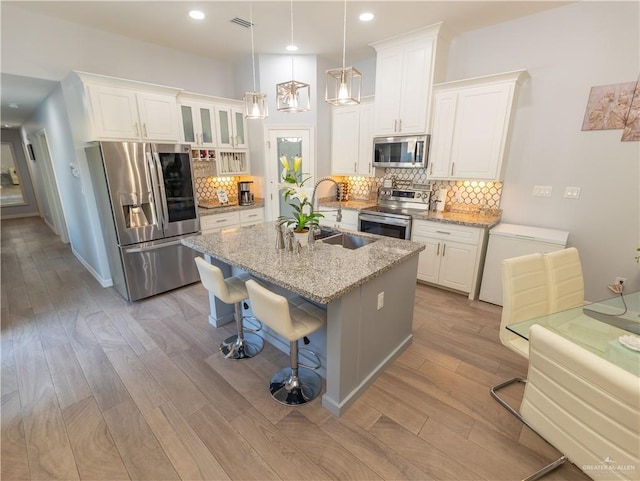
(156, 191)
(160, 177)
(134, 250)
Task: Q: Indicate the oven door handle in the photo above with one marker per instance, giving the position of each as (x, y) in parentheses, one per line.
(385, 220)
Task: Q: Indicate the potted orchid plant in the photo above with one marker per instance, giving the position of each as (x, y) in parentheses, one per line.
(293, 180)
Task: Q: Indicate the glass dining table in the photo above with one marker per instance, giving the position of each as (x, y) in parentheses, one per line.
(609, 328)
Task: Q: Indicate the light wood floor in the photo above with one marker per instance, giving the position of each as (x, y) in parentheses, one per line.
(99, 389)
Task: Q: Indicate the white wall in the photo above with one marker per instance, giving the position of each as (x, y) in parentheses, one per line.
(566, 51)
(44, 47)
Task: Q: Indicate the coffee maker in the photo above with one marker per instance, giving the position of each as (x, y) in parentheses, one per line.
(245, 196)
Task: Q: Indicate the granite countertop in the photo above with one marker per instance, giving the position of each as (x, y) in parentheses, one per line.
(471, 219)
(221, 209)
(321, 272)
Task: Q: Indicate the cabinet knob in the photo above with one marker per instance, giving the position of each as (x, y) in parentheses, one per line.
(144, 128)
(135, 126)
(438, 250)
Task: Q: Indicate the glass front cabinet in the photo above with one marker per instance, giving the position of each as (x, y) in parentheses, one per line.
(198, 123)
(231, 127)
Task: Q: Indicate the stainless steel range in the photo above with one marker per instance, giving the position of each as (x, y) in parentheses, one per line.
(392, 216)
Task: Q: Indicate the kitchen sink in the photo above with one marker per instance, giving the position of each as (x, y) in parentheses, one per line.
(325, 232)
(348, 241)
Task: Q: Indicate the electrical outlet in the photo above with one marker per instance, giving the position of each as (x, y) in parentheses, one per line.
(618, 285)
(381, 300)
(621, 281)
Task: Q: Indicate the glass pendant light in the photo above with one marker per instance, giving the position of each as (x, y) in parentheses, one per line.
(293, 96)
(255, 103)
(343, 84)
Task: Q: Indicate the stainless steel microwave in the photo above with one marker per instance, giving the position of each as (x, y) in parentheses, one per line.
(409, 151)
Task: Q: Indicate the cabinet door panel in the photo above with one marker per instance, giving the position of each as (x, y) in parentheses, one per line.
(416, 89)
(188, 127)
(206, 125)
(444, 110)
(429, 260)
(114, 113)
(479, 134)
(388, 86)
(457, 266)
(365, 159)
(158, 116)
(344, 140)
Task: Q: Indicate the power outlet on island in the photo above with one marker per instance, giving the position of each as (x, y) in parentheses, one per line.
(381, 300)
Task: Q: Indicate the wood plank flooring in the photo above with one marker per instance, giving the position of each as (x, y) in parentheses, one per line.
(96, 388)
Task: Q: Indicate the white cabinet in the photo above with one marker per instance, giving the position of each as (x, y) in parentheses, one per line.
(231, 127)
(229, 220)
(452, 255)
(352, 140)
(217, 222)
(126, 114)
(251, 217)
(198, 123)
(471, 126)
(406, 68)
(349, 219)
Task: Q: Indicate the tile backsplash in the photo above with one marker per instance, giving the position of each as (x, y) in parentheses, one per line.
(468, 195)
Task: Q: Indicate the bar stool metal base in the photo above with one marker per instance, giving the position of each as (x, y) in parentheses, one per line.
(248, 347)
(293, 391)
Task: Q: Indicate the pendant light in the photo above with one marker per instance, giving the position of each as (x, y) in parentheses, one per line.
(293, 96)
(255, 103)
(343, 84)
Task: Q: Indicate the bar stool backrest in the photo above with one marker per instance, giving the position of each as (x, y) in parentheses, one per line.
(272, 309)
(213, 280)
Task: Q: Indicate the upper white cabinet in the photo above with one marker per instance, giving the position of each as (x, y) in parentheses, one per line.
(126, 110)
(198, 122)
(471, 126)
(406, 68)
(352, 139)
(231, 127)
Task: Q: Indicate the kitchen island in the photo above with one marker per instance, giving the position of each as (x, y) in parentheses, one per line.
(368, 294)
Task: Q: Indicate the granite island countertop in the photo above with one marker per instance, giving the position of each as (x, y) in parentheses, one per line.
(321, 272)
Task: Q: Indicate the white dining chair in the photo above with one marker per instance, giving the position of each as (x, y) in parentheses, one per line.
(525, 296)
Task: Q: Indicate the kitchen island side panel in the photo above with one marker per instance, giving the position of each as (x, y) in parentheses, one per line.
(363, 340)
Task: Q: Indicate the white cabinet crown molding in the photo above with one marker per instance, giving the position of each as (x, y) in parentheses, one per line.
(431, 31)
(516, 76)
(93, 78)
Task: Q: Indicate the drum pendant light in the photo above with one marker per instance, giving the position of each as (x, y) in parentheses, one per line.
(343, 84)
(255, 103)
(293, 96)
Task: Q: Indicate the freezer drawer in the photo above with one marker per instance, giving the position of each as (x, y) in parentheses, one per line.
(152, 268)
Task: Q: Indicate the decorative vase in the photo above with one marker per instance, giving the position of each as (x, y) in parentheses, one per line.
(302, 237)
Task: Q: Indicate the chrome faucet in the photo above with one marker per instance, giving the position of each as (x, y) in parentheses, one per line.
(313, 198)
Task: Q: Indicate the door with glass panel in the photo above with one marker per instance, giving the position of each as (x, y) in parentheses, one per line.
(289, 143)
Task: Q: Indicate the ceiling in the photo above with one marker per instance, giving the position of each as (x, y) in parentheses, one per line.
(318, 28)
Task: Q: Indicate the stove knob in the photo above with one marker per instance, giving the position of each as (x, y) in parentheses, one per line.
(418, 195)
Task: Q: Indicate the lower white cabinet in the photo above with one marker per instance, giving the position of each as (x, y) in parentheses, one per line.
(349, 219)
(452, 255)
(228, 220)
(217, 222)
(251, 217)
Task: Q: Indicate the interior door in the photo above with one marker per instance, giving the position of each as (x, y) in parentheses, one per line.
(290, 143)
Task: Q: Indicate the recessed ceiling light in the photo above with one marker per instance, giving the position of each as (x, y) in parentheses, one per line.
(196, 14)
(14, 105)
(366, 17)
(292, 48)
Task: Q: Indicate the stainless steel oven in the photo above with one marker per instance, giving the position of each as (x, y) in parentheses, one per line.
(398, 226)
(392, 216)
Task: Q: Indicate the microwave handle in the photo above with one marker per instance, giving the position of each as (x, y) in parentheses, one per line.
(418, 151)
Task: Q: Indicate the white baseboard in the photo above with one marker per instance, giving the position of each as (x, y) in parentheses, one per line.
(103, 282)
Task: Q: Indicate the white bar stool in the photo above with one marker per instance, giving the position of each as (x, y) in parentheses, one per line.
(231, 290)
(293, 385)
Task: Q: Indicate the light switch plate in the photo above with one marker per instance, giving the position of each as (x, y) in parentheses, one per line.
(542, 190)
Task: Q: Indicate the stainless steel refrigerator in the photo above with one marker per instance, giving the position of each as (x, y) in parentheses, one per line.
(146, 203)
